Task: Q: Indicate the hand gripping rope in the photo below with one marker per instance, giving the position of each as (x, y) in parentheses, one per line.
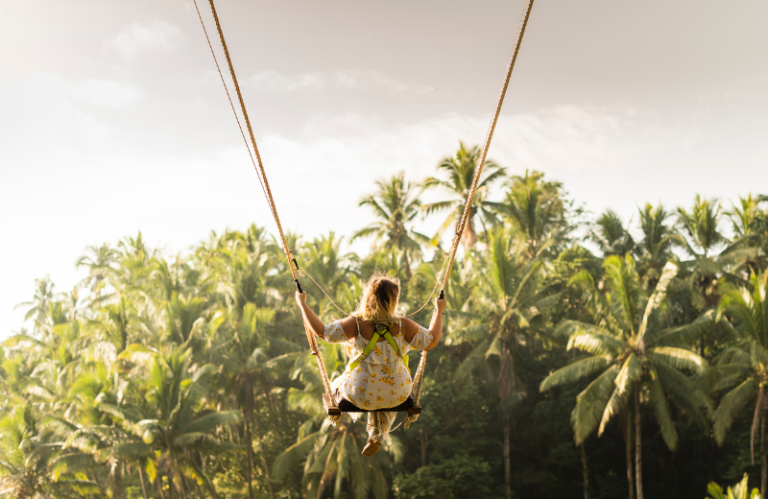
(445, 270)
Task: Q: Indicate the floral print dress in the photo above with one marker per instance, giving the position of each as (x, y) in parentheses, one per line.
(380, 381)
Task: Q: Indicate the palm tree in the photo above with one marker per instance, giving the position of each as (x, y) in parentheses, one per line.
(240, 267)
(745, 217)
(699, 236)
(40, 304)
(743, 367)
(537, 209)
(395, 206)
(634, 355)
(325, 262)
(98, 260)
(90, 436)
(26, 449)
(511, 299)
(461, 170)
(134, 263)
(332, 456)
(750, 227)
(113, 321)
(611, 236)
(247, 360)
(701, 227)
(182, 314)
(176, 423)
(656, 245)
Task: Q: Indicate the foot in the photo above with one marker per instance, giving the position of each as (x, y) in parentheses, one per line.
(371, 448)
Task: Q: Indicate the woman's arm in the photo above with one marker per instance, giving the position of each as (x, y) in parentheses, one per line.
(410, 328)
(436, 325)
(309, 316)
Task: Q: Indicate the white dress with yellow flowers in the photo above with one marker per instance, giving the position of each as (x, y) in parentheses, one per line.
(381, 380)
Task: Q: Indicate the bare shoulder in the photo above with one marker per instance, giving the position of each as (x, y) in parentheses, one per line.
(410, 329)
(349, 326)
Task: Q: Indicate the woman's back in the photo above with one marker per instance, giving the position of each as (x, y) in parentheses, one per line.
(381, 379)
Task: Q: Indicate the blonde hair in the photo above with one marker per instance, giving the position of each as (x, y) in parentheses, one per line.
(379, 301)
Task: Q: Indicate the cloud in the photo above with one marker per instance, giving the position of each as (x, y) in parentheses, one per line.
(337, 158)
(40, 110)
(157, 35)
(368, 79)
(561, 139)
(107, 93)
(274, 81)
(347, 79)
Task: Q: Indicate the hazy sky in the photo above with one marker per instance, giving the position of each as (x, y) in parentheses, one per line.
(113, 120)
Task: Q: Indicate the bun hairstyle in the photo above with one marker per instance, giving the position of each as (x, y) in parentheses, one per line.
(379, 301)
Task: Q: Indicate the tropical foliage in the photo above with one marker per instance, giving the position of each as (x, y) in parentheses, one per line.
(604, 358)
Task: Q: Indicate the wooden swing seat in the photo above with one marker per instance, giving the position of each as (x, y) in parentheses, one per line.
(347, 406)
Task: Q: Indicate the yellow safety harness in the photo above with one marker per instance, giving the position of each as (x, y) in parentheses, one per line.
(379, 331)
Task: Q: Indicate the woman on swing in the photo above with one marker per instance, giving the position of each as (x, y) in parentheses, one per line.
(381, 379)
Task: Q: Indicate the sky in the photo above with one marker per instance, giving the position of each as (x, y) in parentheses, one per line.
(113, 119)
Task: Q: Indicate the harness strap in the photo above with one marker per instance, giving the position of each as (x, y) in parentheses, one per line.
(377, 334)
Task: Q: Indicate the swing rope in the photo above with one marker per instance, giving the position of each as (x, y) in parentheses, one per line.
(261, 174)
(442, 277)
(417, 381)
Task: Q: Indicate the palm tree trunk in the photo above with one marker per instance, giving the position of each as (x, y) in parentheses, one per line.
(263, 457)
(584, 470)
(638, 445)
(118, 491)
(506, 386)
(407, 264)
(630, 475)
(507, 467)
(200, 470)
(249, 441)
(143, 479)
(763, 459)
(182, 488)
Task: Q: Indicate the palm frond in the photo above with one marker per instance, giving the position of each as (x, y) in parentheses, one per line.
(658, 400)
(685, 335)
(575, 371)
(590, 404)
(679, 358)
(291, 457)
(730, 405)
(209, 422)
(631, 371)
(590, 338)
(685, 394)
(722, 377)
(667, 274)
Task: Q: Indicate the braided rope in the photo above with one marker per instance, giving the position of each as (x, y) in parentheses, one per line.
(231, 104)
(261, 174)
(460, 226)
(475, 180)
(489, 136)
(260, 169)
